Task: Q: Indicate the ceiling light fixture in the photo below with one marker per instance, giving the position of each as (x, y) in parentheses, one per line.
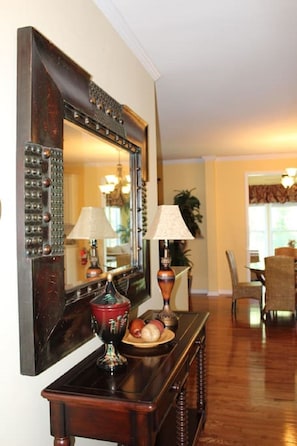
(288, 178)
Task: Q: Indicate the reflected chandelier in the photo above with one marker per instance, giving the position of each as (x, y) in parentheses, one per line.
(116, 182)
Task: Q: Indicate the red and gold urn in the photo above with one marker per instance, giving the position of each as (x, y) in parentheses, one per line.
(110, 312)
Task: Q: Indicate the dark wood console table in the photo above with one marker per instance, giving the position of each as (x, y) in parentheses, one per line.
(160, 399)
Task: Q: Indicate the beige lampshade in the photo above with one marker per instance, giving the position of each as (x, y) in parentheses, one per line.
(168, 224)
(92, 224)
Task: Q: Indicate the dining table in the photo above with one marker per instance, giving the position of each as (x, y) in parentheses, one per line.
(258, 268)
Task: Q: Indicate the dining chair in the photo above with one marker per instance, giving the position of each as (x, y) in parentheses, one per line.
(280, 284)
(240, 290)
(254, 257)
(286, 251)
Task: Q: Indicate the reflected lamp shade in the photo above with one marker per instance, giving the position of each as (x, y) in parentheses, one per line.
(92, 224)
(168, 224)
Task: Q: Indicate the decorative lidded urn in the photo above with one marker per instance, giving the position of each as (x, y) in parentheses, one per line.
(110, 311)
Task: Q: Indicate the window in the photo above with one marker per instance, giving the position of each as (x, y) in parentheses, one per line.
(271, 225)
(113, 214)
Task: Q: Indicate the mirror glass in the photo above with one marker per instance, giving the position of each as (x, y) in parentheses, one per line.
(96, 174)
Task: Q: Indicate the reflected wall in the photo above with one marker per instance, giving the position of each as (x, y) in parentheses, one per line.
(89, 162)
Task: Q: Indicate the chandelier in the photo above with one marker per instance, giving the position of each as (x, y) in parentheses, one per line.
(289, 177)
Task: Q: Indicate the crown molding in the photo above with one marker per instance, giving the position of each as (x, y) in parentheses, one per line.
(230, 158)
(118, 23)
(183, 161)
(255, 157)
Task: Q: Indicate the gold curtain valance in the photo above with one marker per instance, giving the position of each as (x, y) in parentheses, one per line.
(272, 193)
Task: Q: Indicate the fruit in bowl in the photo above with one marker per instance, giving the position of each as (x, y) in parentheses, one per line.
(159, 324)
(135, 327)
(149, 331)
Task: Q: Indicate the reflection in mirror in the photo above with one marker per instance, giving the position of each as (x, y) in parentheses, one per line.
(96, 174)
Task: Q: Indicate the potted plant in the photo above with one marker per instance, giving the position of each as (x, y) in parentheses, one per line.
(189, 206)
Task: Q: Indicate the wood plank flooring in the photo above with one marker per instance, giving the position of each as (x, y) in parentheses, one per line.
(251, 375)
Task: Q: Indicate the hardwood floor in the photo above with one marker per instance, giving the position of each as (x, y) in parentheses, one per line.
(251, 370)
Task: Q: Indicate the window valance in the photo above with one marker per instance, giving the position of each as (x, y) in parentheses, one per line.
(272, 193)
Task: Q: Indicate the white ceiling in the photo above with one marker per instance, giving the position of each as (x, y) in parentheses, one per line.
(225, 72)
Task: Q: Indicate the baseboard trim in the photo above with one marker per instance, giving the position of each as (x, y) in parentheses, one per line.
(211, 293)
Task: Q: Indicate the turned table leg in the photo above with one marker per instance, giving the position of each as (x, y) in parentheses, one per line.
(201, 377)
(182, 419)
(58, 431)
(64, 441)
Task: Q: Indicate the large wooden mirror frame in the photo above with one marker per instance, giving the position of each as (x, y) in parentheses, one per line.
(51, 88)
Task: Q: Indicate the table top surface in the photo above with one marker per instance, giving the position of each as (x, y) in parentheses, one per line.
(256, 266)
(260, 266)
(145, 377)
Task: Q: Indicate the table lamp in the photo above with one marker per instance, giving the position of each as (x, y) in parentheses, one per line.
(168, 224)
(92, 225)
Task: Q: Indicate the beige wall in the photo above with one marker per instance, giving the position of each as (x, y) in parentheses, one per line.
(79, 29)
(189, 175)
(221, 186)
(232, 201)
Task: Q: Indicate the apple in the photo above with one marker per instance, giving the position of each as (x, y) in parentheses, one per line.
(135, 327)
(150, 333)
(159, 324)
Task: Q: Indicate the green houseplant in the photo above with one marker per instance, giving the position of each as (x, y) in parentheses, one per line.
(189, 206)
